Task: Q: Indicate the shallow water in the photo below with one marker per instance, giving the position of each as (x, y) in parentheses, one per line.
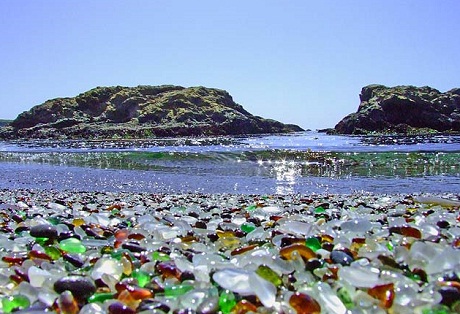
(307, 162)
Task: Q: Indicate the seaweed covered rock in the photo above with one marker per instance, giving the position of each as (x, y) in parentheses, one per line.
(403, 109)
(140, 112)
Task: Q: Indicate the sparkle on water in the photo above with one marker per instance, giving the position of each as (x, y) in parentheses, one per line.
(306, 162)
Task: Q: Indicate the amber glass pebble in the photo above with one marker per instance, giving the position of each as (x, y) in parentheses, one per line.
(304, 304)
(67, 303)
(244, 306)
(384, 293)
(407, 231)
(127, 299)
(301, 249)
(136, 293)
(244, 249)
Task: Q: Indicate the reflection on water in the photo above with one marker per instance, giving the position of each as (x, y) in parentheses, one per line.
(274, 164)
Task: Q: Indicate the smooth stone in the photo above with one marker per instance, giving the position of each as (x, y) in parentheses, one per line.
(450, 295)
(44, 231)
(107, 266)
(356, 225)
(359, 277)
(235, 280)
(264, 290)
(342, 258)
(210, 305)
(81, 287)
(38, 276)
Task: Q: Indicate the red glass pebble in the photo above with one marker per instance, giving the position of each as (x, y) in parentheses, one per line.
(13, 260)
(39, 255)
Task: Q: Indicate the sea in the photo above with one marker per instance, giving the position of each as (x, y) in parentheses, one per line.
(299, 163)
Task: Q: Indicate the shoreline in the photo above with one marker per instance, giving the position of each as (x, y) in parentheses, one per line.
(364, 252)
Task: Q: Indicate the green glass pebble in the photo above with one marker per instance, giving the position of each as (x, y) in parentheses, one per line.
(100, 297)
(14, 303)
(390, 246)
(118, 254)
(72, 245)
(345, 297)
(107, 249)
(269, 274)
(313, 243)
(41, 241)
(439, 309)
(247, 227)
(251, 207)
(319, 210)
(227, 301)
(177, 290)
(142, 277)
(54, 220)
(162, 257)
(53, 252)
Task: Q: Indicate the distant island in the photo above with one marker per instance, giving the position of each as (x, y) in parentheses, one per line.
(403, 110)
(140, 112)
(5, 122)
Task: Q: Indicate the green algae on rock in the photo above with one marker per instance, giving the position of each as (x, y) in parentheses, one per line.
(140, 112)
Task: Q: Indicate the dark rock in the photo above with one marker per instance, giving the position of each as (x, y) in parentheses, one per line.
(81, 287)
(44, 231)
(340, 257)
(140, 112)
(403, 110)
(119, 308)
(450, 295)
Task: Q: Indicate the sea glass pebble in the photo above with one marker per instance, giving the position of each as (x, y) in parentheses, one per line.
(304, 304)
(67, 303)
(72, 245)
(81, 287)
(44, 231)
(234, 279)
(227, 301)
(14, 303)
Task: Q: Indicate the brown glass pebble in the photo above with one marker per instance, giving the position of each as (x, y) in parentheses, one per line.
(304, 304)
(384, 293)
(301, 249)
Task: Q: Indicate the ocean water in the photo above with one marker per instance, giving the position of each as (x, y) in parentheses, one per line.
(307, 162)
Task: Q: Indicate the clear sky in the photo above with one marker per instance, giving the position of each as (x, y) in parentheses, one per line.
(296, 61)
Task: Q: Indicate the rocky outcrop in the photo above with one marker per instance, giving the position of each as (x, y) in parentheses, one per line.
(140, 112)
(403, 109)
(4, 122)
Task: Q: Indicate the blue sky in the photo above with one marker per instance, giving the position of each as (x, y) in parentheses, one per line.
(298, 61)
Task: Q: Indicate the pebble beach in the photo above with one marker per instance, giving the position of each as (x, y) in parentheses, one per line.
(102, 252)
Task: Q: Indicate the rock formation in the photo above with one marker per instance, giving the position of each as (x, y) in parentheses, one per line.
(140, 112)
(403, 109)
